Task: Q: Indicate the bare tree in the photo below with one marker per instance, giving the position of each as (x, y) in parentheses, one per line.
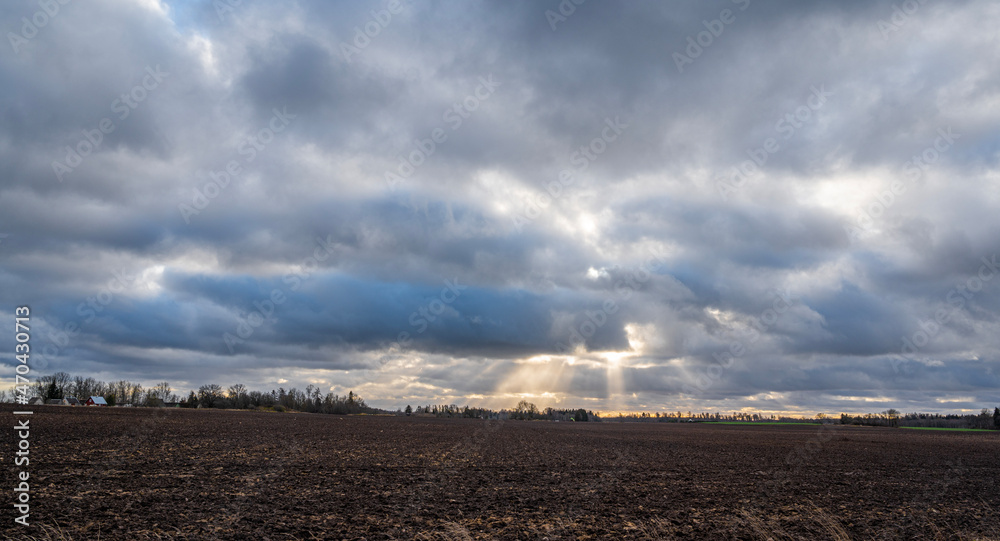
(210, 395)
(62, 381)
(525, 410)
(135, 394)
(56, 385)
(163, 392)
(237, 394)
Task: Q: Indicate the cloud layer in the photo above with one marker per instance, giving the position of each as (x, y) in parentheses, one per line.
(721, 206)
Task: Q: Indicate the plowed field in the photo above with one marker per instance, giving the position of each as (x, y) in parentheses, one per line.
(135, 473)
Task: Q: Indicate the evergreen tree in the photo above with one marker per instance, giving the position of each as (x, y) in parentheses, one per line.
(53, 391)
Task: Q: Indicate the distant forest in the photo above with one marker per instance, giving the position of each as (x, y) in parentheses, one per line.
(983, 420)
(127, 393)
(312, 400)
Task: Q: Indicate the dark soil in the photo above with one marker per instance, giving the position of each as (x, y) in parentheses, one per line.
(136, 473)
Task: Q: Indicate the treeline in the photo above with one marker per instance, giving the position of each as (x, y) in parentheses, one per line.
(984, 420)
(680, 416)
(122, 392)
(891, 417)
(311, 400)
(523, 411)
(126, 393)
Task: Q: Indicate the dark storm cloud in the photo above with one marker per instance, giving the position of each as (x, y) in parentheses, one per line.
(143, 256)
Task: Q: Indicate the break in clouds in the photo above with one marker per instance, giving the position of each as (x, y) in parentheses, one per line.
(776, 206)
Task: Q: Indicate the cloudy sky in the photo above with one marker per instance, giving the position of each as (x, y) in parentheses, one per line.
(689, 205)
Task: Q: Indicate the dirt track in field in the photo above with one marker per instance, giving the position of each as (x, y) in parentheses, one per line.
(121, 473)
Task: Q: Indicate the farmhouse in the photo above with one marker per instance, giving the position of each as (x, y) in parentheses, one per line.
(57, 402)
(96, 401)
(72, 401)
(36, 401)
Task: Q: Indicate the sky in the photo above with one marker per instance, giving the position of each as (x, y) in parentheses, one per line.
(643, 206)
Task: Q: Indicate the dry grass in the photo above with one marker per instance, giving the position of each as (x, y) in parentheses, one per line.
(45, 532)
(769, 528)
(450, 531)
